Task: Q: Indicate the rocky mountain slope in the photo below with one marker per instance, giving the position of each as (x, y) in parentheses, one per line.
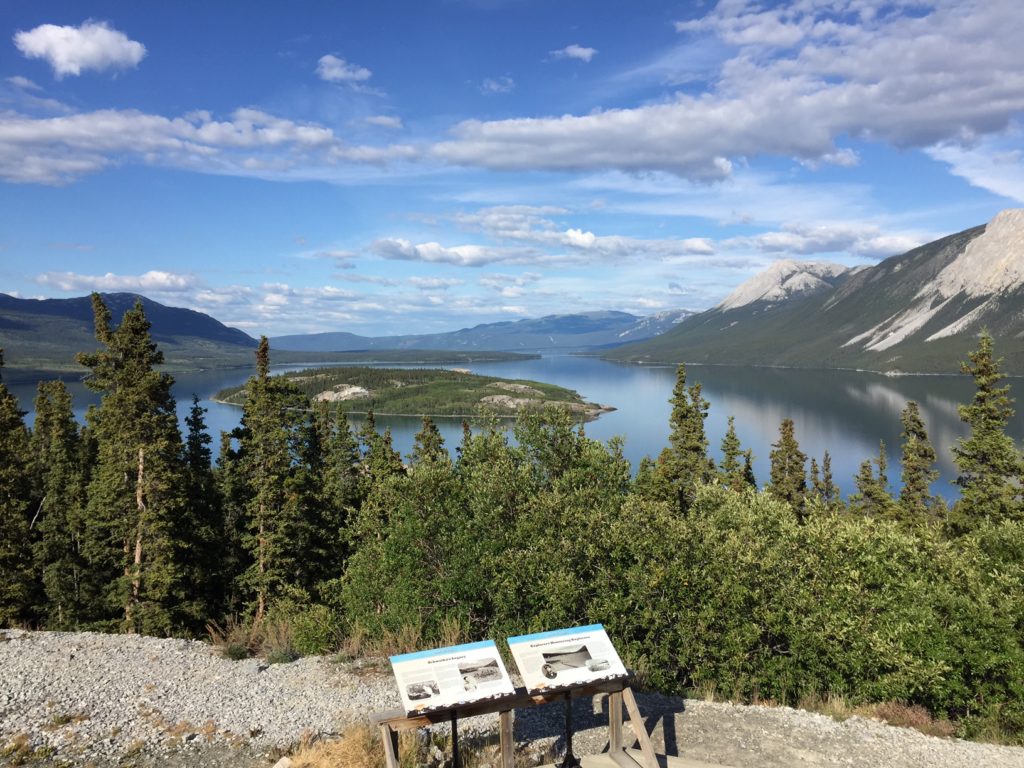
(573, 332)
(78, 699)
(917, 312)
(46, 333)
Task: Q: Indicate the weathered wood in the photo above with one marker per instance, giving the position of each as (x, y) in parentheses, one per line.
(507, 739)
(637, 724)
(615, 721)
(389, 738)
(624, 759)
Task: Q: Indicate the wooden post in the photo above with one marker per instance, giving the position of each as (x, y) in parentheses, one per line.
(615, 721)
(507, 742)
(389, 737)
(637, 724)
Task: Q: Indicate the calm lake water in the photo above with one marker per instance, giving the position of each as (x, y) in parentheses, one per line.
(845, 412)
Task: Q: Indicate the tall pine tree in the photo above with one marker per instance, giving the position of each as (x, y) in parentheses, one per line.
(735, 461)
(916, 502)
(16, 571)
(136, 493)
(988, 460)
(57, 450)
(685, 462)
(788, 468)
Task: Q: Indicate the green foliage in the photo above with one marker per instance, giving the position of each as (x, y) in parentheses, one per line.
(788, 473)
(917, 504)
(420, 391)
(989, 463)
(685, 462)
(872, 497)
(16, 575)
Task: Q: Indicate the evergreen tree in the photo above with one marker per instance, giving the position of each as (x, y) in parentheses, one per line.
(57, 450)
(16, 571)
(829, 490)
(916, 501)
(988, 460)
(685, 462)
(429, 446)
(136, 493)
(872, 497)
(748, 469)
(273, 482)
(731, 471)
(788, 476)
(200, 529)
(342, 470)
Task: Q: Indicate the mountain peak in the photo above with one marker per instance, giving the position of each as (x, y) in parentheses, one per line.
(783, 280)
(990, 264)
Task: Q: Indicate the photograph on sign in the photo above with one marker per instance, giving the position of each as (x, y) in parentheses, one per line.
(444, 677)
(564, 658)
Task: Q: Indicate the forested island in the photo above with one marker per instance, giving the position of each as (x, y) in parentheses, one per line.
(306, 536)
(424, 392)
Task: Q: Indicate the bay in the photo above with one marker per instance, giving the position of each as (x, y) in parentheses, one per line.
(843, 412)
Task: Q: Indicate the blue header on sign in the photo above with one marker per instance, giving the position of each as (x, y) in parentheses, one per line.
(444, 651)
(555, 633)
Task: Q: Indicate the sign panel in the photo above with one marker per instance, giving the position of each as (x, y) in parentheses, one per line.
(444, 677)
(564, 658)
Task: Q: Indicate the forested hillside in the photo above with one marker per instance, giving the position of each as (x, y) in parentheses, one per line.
(304, 534)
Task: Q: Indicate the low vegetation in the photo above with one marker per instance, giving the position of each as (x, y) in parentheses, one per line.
(420, 391)
(315, 538)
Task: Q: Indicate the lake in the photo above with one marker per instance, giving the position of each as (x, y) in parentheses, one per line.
(844, 412)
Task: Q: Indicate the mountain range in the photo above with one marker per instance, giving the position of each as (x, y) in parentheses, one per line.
(563, 333)
(919, 311)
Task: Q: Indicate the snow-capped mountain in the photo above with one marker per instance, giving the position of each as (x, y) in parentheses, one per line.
(919, 311)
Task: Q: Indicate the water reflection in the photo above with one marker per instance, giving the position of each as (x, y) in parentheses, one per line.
(845, 412)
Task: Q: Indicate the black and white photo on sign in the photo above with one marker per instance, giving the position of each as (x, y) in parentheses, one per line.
(566, 657)
(445, 677)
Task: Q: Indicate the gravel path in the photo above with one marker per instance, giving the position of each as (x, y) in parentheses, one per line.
(91, 699)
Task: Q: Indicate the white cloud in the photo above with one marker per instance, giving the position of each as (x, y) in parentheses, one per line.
(434, 283)
(574, 51)
(155, 281)
(857, 239)
(800, 78)
(69, 50)
(336, 70)
(995, 163)
(385, 121)
(23, 83)
(435, 253)
(57, 150)
(497, 85)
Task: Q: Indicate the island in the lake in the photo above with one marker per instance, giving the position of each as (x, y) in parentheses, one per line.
(426, 392)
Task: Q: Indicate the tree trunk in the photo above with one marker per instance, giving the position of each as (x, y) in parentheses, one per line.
(261, 590)
(140, 508)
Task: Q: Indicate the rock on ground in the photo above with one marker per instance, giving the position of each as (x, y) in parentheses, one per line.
(91, 699)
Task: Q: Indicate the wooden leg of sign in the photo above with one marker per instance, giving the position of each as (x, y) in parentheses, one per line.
(637, 723)
(507, 744)
(390, 739)
(615, 721)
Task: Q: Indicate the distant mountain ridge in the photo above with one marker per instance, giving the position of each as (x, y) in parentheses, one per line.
(570, 332)
(47, 333)
(916, 312)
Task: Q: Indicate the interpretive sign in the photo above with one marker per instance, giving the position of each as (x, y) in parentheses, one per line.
(566, 657)
(445, 677)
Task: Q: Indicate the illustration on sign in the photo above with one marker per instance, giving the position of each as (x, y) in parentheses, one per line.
(566, 657)
(444, 677)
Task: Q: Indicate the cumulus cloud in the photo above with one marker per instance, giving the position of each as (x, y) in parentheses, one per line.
(251, 142)
(69, 50)
(574, 51)
(434, 283)
(802, 76)
(493, 85)
(995, 164)
(435, 253)
(334, 69)
(857, 239)
(154, 281)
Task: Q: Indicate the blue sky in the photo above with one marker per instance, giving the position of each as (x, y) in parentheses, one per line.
(405, 167)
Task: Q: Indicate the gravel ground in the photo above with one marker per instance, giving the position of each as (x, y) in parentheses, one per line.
(91, 699)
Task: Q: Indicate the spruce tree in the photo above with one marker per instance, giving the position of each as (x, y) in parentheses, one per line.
(731, 470)
(788, 474)
(872, 497)
(685, 462)
(57, 452)
(200, 529)
(829, 490)
(272, 477)
(16, 570)
(916, 501)
(136, 493)
(988, 460)
(429, 445)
